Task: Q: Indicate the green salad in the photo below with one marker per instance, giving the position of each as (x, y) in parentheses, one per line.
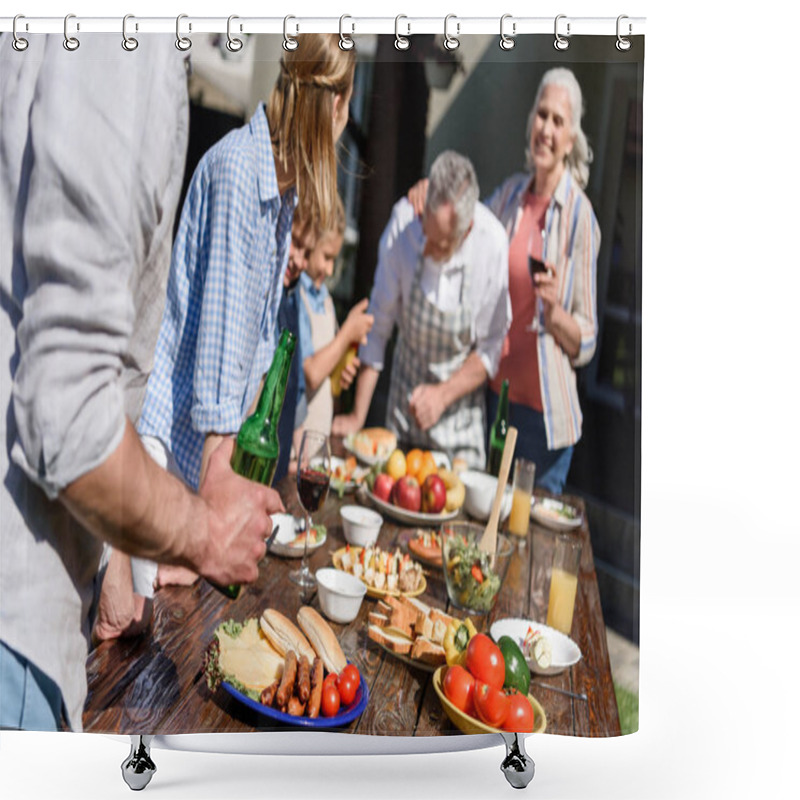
(471, 581)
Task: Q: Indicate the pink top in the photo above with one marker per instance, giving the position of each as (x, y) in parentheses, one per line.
(519, 361)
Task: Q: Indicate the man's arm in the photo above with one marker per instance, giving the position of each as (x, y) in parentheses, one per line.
(430, 400)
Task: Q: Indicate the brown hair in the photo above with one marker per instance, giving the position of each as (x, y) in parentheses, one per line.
(300, 116)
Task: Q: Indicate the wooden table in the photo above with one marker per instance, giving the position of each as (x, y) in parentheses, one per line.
(154, 683)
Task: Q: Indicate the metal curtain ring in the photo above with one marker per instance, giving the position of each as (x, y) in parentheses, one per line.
(507, 42)
(71, 43)
(183, 43)
(234, 44)
(289, 42)
(128, 42)
(18, 43)
(451, 42)
(346, 42)
(401, 42)
(560, 42)
(623, 44)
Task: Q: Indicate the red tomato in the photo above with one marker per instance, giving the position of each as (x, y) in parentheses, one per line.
(520, 714)
(485, 661)
(330, 700)
(355, 675)
(491, 704)
(331, 677)
(347, 688)
(458, 686)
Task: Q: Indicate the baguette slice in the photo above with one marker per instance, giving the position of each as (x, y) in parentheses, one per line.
(381, 620)
(436, 614)
(421, 610)
(323, 639)
(395, 643)
(427, 651)
(425, 628)
(383, 608)
(284, 635)
(439, 630)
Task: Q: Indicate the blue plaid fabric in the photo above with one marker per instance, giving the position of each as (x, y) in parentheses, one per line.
(219, 329)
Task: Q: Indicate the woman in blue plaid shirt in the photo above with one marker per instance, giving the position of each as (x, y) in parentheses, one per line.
(219, 329)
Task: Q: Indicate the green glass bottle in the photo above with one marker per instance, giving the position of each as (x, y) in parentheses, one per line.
(255, 455)
(497, 435)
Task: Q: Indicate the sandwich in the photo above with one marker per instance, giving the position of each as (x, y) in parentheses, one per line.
(322, 638)
(375, 443)
(284, 635)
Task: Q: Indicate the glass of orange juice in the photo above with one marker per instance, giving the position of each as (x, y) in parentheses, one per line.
(520, 517)
(564, 582)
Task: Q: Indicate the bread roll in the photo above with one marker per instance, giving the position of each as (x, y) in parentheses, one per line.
(322, 638)
(375, 442)
(283, 635)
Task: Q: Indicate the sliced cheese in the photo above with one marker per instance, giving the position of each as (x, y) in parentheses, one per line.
(249, 657)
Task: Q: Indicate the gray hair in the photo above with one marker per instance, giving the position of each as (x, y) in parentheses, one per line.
(581, 156)
(452, 179)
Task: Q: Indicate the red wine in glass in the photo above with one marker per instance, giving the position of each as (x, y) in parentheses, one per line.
(312, 488)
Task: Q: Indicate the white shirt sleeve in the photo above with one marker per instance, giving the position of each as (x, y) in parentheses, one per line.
(396, 261)
(490, 297)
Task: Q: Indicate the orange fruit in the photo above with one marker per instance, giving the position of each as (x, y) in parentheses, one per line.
(428, 468)
(413, 462)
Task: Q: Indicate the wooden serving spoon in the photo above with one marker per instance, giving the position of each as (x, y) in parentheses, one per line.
(488, 542)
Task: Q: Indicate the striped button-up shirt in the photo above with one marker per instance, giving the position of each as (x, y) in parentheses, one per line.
(219, 330)
(572, 244)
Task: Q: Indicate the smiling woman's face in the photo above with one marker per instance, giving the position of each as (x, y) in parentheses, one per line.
(551, 136)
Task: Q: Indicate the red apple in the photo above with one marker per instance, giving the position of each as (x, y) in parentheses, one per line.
(434, 494)
(382, 488)
(407, 494)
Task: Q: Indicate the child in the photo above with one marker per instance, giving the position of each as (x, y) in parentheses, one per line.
(321, 345)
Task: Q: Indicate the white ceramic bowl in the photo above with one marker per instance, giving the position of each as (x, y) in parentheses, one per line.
(361, 525)
(480, 491)
(340, 594)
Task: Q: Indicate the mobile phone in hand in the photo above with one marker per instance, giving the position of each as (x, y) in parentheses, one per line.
(535, 266)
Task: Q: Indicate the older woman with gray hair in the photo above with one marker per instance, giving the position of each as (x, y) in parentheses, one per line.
(443, 280)
(553, 243)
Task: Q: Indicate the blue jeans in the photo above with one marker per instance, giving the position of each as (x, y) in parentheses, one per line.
(29, 700)
(552, 466)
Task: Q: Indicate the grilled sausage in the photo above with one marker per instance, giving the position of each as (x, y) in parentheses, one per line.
(315, 700)
(295, 707)
(286, 689)
(303, 680)
(268, 695)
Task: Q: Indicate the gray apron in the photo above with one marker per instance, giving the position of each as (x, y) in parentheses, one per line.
(431, 346)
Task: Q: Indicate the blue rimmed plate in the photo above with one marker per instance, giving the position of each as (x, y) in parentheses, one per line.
(344, 717)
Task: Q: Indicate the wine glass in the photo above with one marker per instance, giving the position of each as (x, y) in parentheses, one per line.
(313, 480)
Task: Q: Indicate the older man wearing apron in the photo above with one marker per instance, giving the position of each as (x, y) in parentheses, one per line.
(443, 280)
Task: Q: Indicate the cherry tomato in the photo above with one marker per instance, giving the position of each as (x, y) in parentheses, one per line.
(347, 688)
(355, 675)
(491, 704)
(330, 700)
(520, 714)
(485, 661)
(458, 687)
(331, 677)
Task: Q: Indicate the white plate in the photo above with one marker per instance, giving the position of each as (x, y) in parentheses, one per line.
(359, 473)
(290, 527)
(565, 652)
(409, 517)
(545, 511)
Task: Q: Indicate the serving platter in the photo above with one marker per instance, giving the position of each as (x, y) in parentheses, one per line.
(344, 717)
(555, 514)
(290, 528)
(565, 653)
(471, 725)
(371, 590)
(409, 517)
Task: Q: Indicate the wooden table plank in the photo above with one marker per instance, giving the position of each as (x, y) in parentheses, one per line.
(154, 683)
